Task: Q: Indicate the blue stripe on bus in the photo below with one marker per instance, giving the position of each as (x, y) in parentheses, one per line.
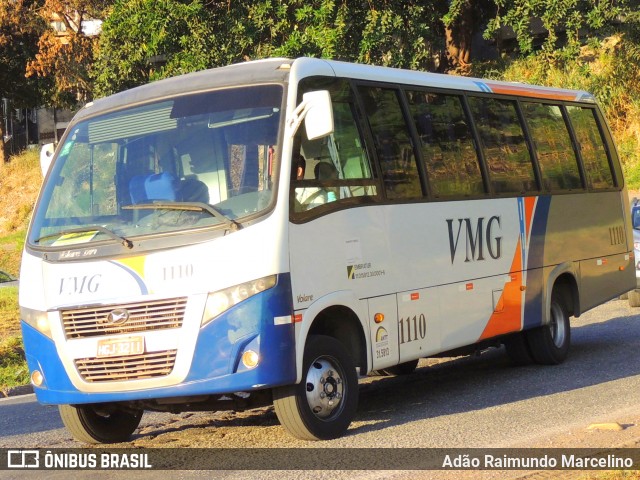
(534, 294)
(523, 232)
(483, 87)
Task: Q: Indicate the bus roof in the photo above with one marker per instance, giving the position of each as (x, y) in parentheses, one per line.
(278, 70)
(273, 70)
(439, 80)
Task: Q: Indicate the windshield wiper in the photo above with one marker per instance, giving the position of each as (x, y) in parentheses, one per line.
(189, 206)
(93, 228)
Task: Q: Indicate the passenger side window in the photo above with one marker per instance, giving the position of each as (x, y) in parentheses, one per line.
(591, 146)
(392, 142)
(555, 153)
(446, 142)
(504, 145)
(334, 168)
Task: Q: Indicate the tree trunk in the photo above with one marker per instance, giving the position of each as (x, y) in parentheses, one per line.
(458, 37)
(3, 154)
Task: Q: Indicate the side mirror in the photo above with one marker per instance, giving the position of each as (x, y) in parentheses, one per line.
(46, 156)
(316, 112)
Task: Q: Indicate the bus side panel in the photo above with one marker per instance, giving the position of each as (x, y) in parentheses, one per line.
(584, 226)
(590, 229)
(604, 278)
(438, 258)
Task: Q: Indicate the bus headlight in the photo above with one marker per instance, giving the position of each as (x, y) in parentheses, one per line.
(37, 319)
(222, 300)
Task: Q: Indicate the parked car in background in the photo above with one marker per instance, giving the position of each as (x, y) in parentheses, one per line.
(7, 280)
(634, 295)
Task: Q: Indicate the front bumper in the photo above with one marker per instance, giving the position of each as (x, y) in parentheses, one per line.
(215, 364)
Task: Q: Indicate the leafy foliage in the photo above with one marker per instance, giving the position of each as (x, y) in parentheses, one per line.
(20, 29)
(144, 40)
(572, 18)
(66, 58)
(198, 34)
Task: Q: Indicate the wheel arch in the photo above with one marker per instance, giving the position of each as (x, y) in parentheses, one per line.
(563, 280)
(336, 317)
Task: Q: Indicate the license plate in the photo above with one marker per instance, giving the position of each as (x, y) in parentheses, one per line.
(120, 347)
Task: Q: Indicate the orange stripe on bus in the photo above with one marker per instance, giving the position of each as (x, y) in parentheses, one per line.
(529, 206)
(531, 92)
(508, 319)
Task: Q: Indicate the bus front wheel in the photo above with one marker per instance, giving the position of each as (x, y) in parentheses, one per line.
(549, 344)
(96, 424)
(322, 405)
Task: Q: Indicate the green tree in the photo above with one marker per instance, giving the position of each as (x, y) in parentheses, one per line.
(577, 19)
(65, 57)
(145, 40)
(20, 29)
(463, 19)
(405, 34)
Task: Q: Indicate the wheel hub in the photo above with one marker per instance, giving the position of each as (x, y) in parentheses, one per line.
(557, 326)
(325, 388)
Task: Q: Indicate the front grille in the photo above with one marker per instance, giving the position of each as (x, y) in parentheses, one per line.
(143, 316)
(130, 367)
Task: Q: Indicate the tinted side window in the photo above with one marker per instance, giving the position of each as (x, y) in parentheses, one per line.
(392, 142)
(447, 145)
(504, 145)
(556, 156)
(591, 145)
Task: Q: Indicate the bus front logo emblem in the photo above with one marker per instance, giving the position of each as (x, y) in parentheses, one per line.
(118, 316)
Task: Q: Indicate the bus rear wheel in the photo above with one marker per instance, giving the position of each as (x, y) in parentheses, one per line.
(322, 405)
(98, 424)
(518, 349)
(549, 344)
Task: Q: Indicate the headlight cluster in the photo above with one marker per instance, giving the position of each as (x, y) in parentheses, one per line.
(37, 319)
(222, 300)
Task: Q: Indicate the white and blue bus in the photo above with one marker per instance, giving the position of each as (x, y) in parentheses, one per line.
(269, 231)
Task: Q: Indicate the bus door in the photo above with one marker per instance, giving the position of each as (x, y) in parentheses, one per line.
(418, 324)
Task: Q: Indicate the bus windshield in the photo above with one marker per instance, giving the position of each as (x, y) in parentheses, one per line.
(198, 161)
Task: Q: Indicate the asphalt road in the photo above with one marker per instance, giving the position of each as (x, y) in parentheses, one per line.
(469, 402)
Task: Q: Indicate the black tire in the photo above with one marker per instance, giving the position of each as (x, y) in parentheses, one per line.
(98, 424)
(549, 344)
(323, 404)
(405, 368)
(517, 349)
(634, 298)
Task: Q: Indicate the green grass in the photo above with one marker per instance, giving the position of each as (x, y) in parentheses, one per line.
(9, 313)
(19, 184)
(13, 367)
(11, 251)
(617, 475)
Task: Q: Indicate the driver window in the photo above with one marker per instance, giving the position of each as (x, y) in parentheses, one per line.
(335, 168)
